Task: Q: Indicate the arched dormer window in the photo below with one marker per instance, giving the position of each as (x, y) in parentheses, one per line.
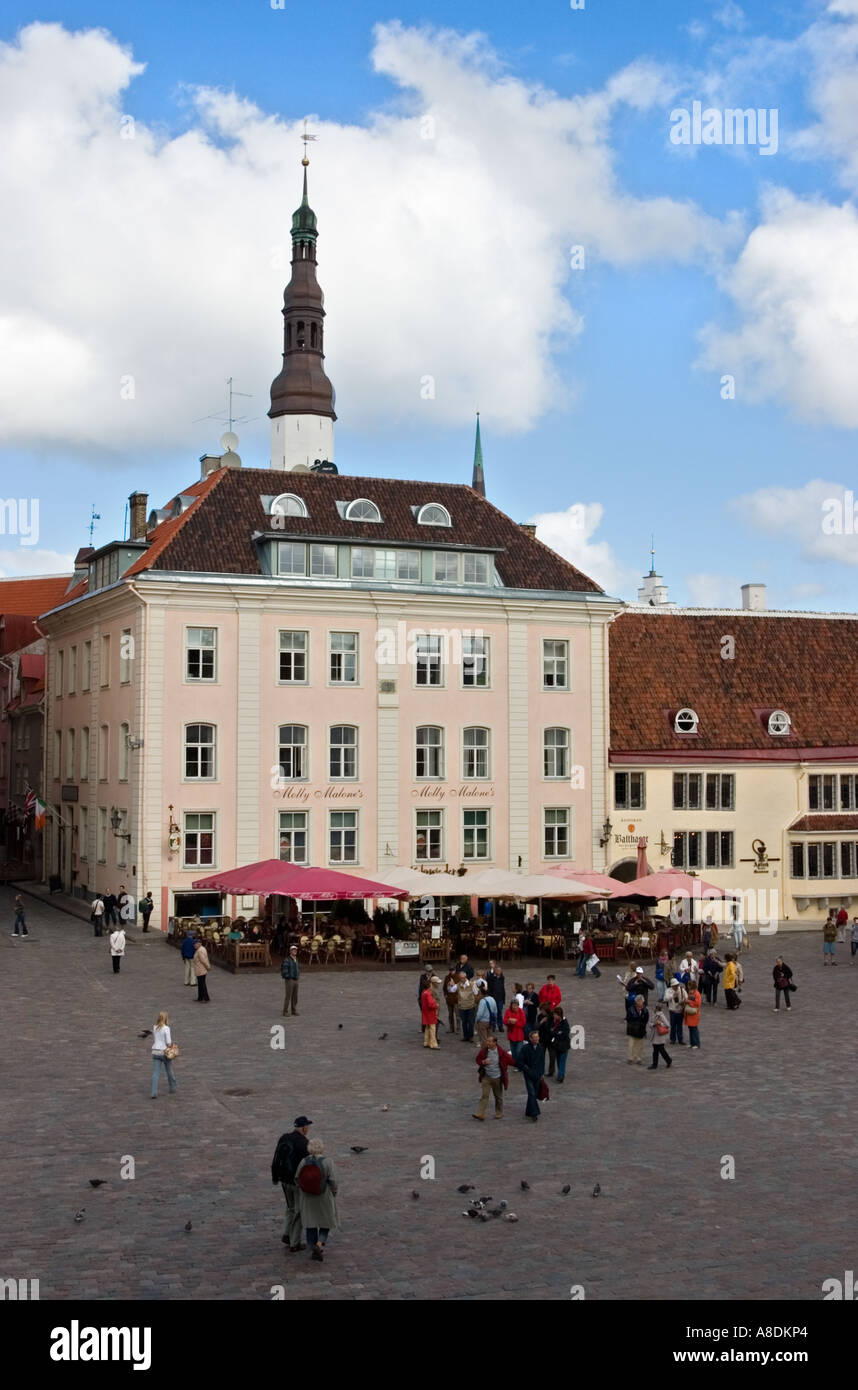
(287, 504)
(780, 723)
(433, 514)
(686, 722)
(362, 510)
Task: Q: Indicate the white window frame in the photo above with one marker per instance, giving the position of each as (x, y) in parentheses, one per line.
(280, 830)
(485, 748)
(439, 759)
(186, 831)
(475, 663)
(474, 830)
(687, 716)
(304, 744)
(558, 753)
(60, 676)
(83, 833)
(551, 664)
(86, 670)
(291, 573)
(119, 839)
(446, 556)
(286, 651)
(429, 831)
(85, 740)
(104, 753)
(71, 748)
(779, 724)
(101, 836)
(125, 661)
(199, 647)
(343, 829)
(123, 750)
(362, 501)
(475, 556)
(327, 552)
(342, 654)
(567, 824)
(343, 748)
(423, 520)
(72, 686)
(427, 660)
(199, 745)
(104, 661)
(289, 504)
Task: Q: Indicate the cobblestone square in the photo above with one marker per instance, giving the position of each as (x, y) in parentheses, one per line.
(773, 1091)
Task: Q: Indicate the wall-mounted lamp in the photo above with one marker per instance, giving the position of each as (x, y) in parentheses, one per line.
(607, 828)
(116, 823)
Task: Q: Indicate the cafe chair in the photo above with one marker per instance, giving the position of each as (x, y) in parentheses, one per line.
(314, 951)
(330, 950)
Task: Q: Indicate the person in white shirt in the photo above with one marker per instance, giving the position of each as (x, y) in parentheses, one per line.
(161, 1040)
(117, 948)
(97, 916)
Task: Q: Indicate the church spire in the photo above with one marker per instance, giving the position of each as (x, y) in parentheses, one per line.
(302, 398)
(478, 482)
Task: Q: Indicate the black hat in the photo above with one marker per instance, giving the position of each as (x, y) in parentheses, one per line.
(302, 1122)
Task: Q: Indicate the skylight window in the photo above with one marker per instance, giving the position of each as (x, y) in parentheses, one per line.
(686, 722)
(287, 504)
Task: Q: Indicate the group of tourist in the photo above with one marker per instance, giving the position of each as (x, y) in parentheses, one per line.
(310, 1186)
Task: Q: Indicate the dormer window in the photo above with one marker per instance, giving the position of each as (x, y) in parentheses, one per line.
(780, 723)
(287, 504)
(686, 722)
(362, 510)
(433, 514)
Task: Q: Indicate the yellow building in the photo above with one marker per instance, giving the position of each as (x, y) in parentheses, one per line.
(734, 751)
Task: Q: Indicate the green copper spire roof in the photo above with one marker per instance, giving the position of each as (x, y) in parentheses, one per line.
(478, 482)
(304, 218)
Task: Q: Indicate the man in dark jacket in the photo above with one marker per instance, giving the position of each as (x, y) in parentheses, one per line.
(497, 989)
(291, 1150)
(188, 948)
(637, 1018)
(291, 973)
(531, 1063)
(712, 968)
(465, 967)
(638, 983)
(110, 909)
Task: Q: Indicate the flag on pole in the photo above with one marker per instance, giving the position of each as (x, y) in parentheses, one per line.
(29, 802)
(41, 810)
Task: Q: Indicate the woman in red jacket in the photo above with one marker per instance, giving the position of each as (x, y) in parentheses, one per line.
(429, 1014)
(515, 1022)
(550, 995)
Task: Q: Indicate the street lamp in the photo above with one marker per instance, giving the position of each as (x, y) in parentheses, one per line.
(116, 825)
(607, 828)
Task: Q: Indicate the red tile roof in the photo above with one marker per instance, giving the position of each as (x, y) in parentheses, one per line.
(846, 821)
(30, 597)
(214, 535)
(663, 662)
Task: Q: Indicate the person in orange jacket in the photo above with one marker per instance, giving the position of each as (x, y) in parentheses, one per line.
(550, 995)
(692, 1016)
(429, 1014)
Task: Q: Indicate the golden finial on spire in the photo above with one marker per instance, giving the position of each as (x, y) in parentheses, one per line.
(306, 137)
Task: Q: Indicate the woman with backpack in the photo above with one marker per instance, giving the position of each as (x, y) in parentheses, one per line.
(316, 1179)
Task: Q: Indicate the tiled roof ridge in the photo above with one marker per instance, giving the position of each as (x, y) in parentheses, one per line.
(670, 611)
(531, 536)
(206, 488)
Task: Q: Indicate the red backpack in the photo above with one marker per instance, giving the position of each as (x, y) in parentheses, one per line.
(311, 1178)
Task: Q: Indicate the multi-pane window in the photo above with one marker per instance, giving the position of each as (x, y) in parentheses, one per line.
(200, 752)
(120, 841)
(821, 791)
(323, 561)
(199, 839)
(475, 661)
(629, 791)
(58, 754)
(475, 754)
(385, 564)
(556, 832)
(126, 647)
(343, 837)
(555, 665)
(687, 849)
(719, 849)
(344, 658)
(847, 858)
(848, 789)
(343, 752)
(429, 752)
(720, 791)
(429, 837)
(445, 567)
(124, 734)
(292, 759)
(427, 660)
(84, 753)
(292, 558)
(555, 752)
(687, 791)
(103, 753)
(86, 667)
(476, 838)
(72, 670)
(83, 832)
(293, 658)
(475, 569)
(362, 510)
(105, 659)
(61, 667)
(101, 830)
(408, 564)
(293, 837)
(363, 563)
(797, 859)
(200, 650)
(70, 752)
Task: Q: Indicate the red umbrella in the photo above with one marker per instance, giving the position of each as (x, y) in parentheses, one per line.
(670, 883)
(293, 881)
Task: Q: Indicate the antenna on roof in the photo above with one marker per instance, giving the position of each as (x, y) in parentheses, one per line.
(94, 517)
(231, 419)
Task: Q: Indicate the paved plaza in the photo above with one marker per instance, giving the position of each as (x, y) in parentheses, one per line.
(773, 1091)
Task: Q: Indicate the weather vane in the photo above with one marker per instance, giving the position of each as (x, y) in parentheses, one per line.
(306, 137)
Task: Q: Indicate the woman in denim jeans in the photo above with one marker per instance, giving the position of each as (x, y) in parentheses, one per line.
(162, 1039)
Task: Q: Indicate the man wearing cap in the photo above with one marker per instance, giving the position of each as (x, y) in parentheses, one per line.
(291, 972)
(291, 1150)
(637, 983)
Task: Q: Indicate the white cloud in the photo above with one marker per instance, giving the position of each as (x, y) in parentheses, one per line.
(162, 258)
(709, 590)
(23, 562)
(731, 16)
(820, 517)
(570, 532)
(795, 288)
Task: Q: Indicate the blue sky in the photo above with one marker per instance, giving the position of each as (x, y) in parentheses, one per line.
(599, 386)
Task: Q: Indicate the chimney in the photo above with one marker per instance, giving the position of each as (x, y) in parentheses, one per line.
(527, 526)
(754, 598)
(137, 504)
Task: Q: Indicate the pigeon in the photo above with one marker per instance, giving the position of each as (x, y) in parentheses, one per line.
(467, 1213)
(596, 1190)
(466, 1187)
(473, 1214)
(566, 1190)
(510, 1216)
(359, 1148)
(504, 1205)
(486, 1199)
(382, 1037)
(188, 1226)
(147, 1033)
(339, 1025)
(384, 1108)
(484, 1216)
(97, 1182)
(78, 1216)
(495, 1211)
(416, 1196)
(525, 1186)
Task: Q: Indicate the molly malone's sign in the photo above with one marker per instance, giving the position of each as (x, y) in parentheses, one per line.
(328, 793)
(467, 789)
